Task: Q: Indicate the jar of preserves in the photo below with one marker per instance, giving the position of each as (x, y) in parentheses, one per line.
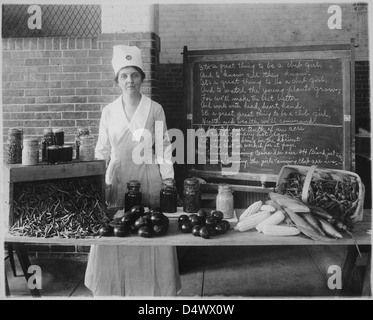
(81, 132)
(13, 146)
(30, 152)
(53, 154)
(47, 141)
(168, 196)
(87, 148)
(225, 201)
(133, 195)
(59, 137)
(191, 196)
(66, 152)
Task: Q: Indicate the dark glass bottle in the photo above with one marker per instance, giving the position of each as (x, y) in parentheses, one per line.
(191, 196)
(46, 142)
(168, 196)
(133, 195)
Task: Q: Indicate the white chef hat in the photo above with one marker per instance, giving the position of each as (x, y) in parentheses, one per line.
(126, 56)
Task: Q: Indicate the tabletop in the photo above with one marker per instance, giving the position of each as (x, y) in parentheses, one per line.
(174, 237)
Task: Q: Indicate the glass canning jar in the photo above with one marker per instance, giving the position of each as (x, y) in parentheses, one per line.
(13, 146)
(30, 152)
(133, 195)
(47, 141)
(191, 196)
(87, 148)
(59, 136)
(80, 132)
(168, 196)
(225, 200)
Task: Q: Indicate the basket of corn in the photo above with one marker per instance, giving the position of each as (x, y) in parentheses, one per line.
(339, 192)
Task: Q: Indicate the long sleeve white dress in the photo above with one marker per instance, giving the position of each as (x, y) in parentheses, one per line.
(133, 270)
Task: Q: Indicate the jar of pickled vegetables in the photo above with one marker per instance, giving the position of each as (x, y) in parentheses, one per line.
(13, 146)
(80, 133)
(47, 141)
(133, 195)
(168, 196)
(191, 196)
(87, 148)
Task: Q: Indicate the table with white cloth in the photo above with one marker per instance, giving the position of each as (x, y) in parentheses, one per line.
(175, 237)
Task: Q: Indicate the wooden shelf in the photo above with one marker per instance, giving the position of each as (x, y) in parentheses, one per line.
(15, 174)
(43, 171)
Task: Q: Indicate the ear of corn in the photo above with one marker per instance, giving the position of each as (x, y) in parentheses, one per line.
(289, 202)
(274, 219)
(252, 209)
(280, 231)
(251, 221)
(267, 207)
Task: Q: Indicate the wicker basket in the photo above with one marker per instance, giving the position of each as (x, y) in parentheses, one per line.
(313, 171)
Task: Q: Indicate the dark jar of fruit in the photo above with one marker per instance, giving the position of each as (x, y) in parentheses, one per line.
(53, 154)
(47, 141)
(168, 196)
(133, 195)
(191, 196)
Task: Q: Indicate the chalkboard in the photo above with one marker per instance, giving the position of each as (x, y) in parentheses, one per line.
(281, 106)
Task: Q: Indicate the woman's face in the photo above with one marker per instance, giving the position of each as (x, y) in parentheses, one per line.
(129, 80)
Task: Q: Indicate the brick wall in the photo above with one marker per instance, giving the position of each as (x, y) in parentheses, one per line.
(65, 82)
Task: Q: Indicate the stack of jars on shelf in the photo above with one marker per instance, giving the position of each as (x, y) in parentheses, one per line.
(53, 147)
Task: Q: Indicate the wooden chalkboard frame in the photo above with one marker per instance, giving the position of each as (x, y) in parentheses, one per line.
(345, 52)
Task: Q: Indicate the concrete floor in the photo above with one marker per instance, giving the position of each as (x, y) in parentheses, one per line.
(223, 272)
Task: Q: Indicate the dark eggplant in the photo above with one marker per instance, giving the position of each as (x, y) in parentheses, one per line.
(204, 232)
(157, 218)
(160, 229)
(218, 215)
(138, 209)
(211, 222)
(121, 231)
(186, 227)
(142, 222)
(106, 230)
(195, 230)
(202, 213)
(145, 232)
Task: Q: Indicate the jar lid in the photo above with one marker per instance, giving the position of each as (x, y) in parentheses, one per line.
(87, 137)
(83, 130)
(30, 141)
(15, 131)
(66, 146)
(54, 147)
(191, 182)
(57, 130)
(48, 131)
(133, 183)
(225, 187)
(169, 182)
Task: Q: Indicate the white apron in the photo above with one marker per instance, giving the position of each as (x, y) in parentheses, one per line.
(133, 270)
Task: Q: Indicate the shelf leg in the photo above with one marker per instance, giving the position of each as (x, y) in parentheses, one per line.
(21, 251)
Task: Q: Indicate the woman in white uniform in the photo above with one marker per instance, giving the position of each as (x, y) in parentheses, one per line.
(127, 124)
